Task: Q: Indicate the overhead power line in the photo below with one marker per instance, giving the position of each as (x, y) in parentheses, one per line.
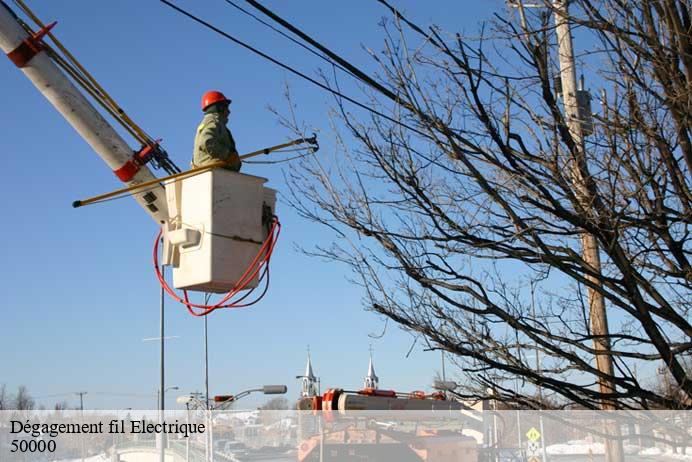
(365, 78)
(289, 68)
(351, 69)
(285, 35)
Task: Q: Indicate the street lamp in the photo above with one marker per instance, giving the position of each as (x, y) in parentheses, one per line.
(267, 390)
(445, 385)
(158, 394)
(193, 401)
(161, 438)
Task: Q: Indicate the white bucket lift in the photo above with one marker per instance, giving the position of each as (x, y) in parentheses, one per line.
(219, 221)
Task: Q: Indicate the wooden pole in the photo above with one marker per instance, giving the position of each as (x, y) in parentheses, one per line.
(590, 251)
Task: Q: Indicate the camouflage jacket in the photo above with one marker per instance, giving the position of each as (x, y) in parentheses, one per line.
(214, 142)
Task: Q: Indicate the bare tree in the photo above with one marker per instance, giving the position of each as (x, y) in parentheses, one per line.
(456, 205)
(4, 398)
(23, 400)
(665, 385)
(277, 403)
(61, 406)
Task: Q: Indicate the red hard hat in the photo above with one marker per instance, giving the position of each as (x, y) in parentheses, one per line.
(212, 97)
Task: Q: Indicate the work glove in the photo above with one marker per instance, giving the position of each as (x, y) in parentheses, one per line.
(234, 162)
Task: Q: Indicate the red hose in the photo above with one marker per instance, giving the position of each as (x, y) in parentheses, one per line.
(259, 263)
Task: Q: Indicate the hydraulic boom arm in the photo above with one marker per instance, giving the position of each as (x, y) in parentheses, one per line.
(28, 53)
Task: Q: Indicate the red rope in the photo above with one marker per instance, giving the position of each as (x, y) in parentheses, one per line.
(259, 263)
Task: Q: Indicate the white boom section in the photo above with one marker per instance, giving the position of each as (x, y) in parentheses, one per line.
(81, 114)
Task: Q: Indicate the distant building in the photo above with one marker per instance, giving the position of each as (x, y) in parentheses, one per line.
(309, 383)
(371, 380)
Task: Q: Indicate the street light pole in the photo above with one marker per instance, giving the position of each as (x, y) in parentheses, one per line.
(206, 354)
(194, 400)
(210, 437)
(539, 368)
(206, 363)
(158, 393)
(162, 343)
(187, 440)
(162, 395)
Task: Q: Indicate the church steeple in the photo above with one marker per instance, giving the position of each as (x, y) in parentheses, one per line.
(371, 380)
(309, 383)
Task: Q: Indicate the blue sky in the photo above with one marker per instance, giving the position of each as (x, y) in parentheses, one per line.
(78, 290)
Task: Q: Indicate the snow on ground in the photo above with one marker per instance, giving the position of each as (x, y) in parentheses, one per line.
(580, 447)
(575, 447)
(668, 453)
(98, 458)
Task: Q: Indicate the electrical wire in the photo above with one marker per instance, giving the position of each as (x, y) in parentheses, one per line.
(84, 79)
(283, 34)
(343, 64)
(259, 263)
(272, 162)
(281, 161)
(431, 120)
(81, 76)
(289, 68)
(242, 283)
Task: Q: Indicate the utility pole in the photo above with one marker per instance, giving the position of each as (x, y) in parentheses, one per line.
(81, 399)
(81, 409)
(590, 252)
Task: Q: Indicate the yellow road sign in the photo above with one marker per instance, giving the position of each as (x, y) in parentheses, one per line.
(533, 434)
(533, 459)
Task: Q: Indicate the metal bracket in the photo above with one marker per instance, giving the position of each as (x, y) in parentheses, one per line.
(30, 47)
(150, 153)
(313, 141)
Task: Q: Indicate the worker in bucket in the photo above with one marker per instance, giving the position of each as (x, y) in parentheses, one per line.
(213, 141)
